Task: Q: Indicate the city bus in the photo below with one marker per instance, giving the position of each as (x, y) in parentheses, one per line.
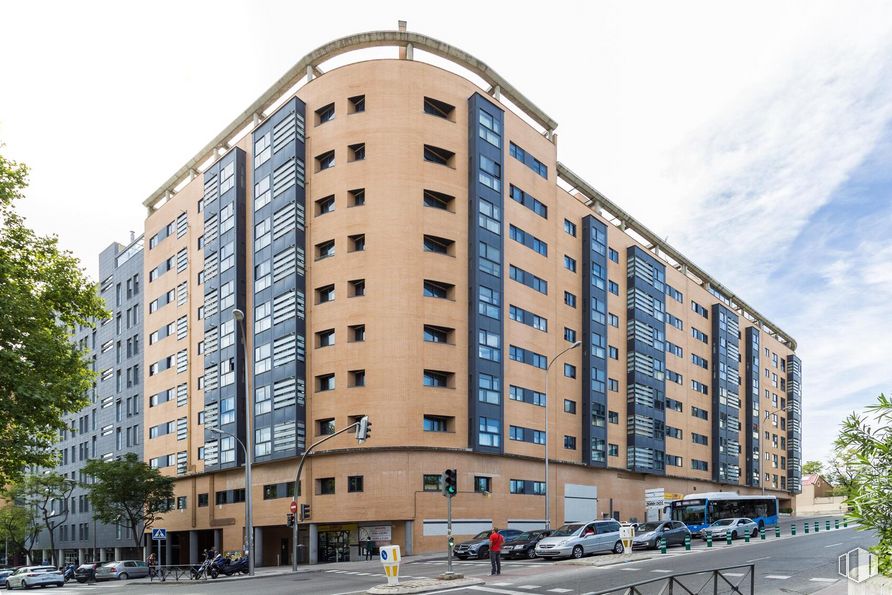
(701, 510)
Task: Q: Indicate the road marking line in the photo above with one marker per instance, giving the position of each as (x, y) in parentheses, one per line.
(823, 580)
(502, 584)
(757, 559)
(661, 570)
(733, 574)
(491, 590)
(833, 545)
(779, 577)
(559, 590)
(529, 587)
(631, 569)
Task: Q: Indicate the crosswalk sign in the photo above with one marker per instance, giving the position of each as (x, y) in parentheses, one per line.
(159, 534)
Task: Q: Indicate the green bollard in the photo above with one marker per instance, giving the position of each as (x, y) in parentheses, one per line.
(777, 530)
(709, 540)
(746, 537)
(827, 524)
(845, 522)
(817, 526)
(687, 543)
(728, 537)
(805, 524)
(793, 529)
(662, 545)
(762, 533)
(836, 523)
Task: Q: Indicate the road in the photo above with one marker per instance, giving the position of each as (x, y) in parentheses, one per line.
(803, 564)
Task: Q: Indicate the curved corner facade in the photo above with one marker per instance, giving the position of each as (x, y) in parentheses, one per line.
(402, 249)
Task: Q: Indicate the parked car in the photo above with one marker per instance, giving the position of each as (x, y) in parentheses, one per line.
(86, 572)
(122, 570)
(5, 572)
(524, 545)
(32, 576)
(647, 535)
(478, 546)
(737, 526)
(579, 539)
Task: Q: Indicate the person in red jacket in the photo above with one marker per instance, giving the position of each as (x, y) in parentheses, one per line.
(495, 551)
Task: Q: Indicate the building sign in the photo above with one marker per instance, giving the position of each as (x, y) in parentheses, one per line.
(654, 501)
(377, 533)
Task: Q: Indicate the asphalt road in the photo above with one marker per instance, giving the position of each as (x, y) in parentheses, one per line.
(803, 564)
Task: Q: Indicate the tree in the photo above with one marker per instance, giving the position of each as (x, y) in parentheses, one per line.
(47, 495)
(19, 526)
(812, 467)
(43, 295)
(866, 452)
(840, 476)
(128, 492)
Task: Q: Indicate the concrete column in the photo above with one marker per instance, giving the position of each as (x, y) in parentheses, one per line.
(102, 554)
(258, 547)
(82, 555)
(193, 547)
(168, 550)
(119, 554)
(410, 538)
(60, 560)
(313, 545)
(218, 539)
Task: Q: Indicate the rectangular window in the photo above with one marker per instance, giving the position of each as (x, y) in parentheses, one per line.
(439, 155)
(438, 108)
(490, 173)
(519, 196)
(570, 442)
(325, 294)
(325, 382)
(530, 241)
(325, 205)
(436, 423)
(438, 200)
(325, 486)
(490, 129)
(437, 289)
(438, 245)
(528, 279)
(356, 104)
(569, 264)
(437, 379)
(357, 152)
(325, 114)
(570, 299)
(490, 259)
(528, 160)
(489, 388)
(570, 228)
(612, 287)
(325, 160)
(355, 483)
(613, 255)
(489, 432)
(569, 335)
(431, 482)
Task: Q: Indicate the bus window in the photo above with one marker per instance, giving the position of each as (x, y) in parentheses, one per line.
(689, 515)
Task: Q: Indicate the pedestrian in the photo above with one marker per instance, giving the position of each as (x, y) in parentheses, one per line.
(495, 551)
(152, 561)
(369, 548)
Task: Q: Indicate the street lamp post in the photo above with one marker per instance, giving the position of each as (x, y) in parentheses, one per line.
(547, 407)
(248, 510)
(239, 318)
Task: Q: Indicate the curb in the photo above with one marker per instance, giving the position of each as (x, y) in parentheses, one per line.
(422, 586)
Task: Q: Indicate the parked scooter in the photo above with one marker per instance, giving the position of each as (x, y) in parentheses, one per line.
(68, 573)
(222, 565)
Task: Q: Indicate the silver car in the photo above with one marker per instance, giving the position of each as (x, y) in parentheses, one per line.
(32, 576)
(122, 570)
(578, 539)
(738, 527)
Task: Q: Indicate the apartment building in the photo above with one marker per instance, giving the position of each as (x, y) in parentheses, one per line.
(406, 245)
(111, 424)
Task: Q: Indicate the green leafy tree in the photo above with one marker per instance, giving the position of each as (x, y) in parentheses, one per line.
(19, 527)
(47, 494)
(840, 476)
(128, 492)
(43, 294)
(812, 467)
(864, 446)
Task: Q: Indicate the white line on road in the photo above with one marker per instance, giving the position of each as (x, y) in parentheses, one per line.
(757, 559)
(661, 570)
(823, 580)
(559, 590)
(834, 544)
(733, 574)
(779, 577)
(502, 584)
(528, 587)
(631, 569)
(491, 590)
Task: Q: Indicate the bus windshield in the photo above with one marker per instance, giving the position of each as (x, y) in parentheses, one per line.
(689, 514)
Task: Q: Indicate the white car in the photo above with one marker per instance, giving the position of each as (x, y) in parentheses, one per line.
(737, 527)
(33, 576)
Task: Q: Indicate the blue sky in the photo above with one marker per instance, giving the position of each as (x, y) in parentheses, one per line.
(756, 137)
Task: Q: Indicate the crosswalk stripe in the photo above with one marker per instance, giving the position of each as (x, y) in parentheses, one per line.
(822, 580)
(559, 590)
(732, 574)
(661, 570)
(779, 577)
(528, 587)
(502, 584)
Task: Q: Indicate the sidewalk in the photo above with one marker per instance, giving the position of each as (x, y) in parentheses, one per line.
(373, 565)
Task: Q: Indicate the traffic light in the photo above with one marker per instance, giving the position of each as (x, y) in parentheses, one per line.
(289, 519)
(304, 512)
(364, 429)
(450, 483)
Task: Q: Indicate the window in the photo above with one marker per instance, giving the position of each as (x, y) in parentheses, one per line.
(699, 465)
(325, 114)
(699, 439)
(489, 259)
(489, 389)
(569, 370)
(613, 255)
(489, 302)
(325, 294)
(325, 338)
(528, 279)
(437, 379)
(674, 461)
(325, 205)
(489, 129)
(356, 288)
(356, 197)
(569, 264)
(436, 423)
(482, 484)
(357, 152)
(357, 333)
(437, 289)
(489, 345)
(700, 310)
(612, 352)
(490, 173)
(489, 217)
(354, 483)
(528, 160)
(437, 334)
(325, 486)
(699, 361)
(431, 483)
(357, 378)
(613, 385)
(674, 433)
(613, 319)
(489, 433)
(438, 108)
(438, 200)
(700, 413)
(613, 417)
(438, 245)
(326, 426)
(356, 104)
(438, 155)
(570, 442)
(613, 450)
(529, 240)
(570, 228)
(569, 335)
(325, 249)
(531, 203)
(325, 160)
(673, 405)
(356, 242)
(528, 318)
(700, 336)
(570, 299)
(325, 382)
(612, 287)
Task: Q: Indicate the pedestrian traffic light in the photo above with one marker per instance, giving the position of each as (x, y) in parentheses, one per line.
(364, 429)
(450, 483)
(304, 512)
(289, 519)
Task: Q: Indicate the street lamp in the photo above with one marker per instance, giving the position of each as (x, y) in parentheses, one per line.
(239, 318)
(547, 491)
(248, 510)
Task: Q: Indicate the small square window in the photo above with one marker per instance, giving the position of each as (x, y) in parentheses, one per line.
(325, 205)
(439, 245)
(355, 483)
(357, 333)
(569, 406)
(482, 484)
(357, 378)
(325, 485)
(325, 294)
(438, 155)
(325, 338)
(356, 104)
(357, 152)
(325, 382)
(357, 197)
(325, 249)
(357, 243)
(325, 160)
(569, 370)
(438, 108)
(356, 288)
(438, 200)
(326, 426)
(437, 289)
(325, 114)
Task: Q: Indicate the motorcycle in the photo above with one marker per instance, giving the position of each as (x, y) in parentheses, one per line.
(222, 565)
(197, 572)
(68, 573)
